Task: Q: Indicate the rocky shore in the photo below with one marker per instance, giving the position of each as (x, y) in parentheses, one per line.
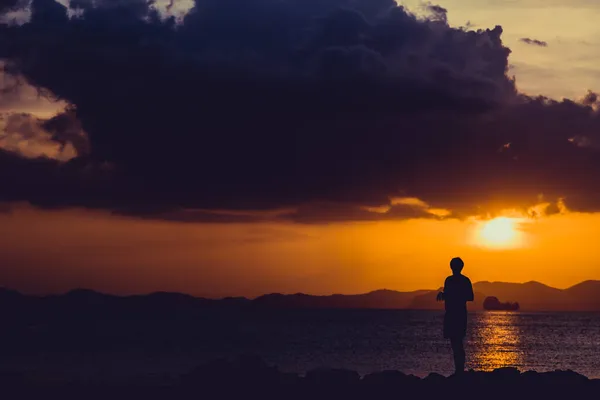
(251, 378)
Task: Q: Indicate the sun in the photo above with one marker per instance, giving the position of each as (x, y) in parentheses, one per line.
(499, 232)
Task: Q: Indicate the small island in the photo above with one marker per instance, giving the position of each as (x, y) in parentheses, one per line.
(492, 303)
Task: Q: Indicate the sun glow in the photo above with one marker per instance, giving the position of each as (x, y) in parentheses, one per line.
(501, 232)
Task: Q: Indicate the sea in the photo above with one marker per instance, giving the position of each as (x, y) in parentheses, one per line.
(412, 341)
(300, 340)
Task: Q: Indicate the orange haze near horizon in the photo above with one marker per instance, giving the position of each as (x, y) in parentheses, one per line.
(55, 251)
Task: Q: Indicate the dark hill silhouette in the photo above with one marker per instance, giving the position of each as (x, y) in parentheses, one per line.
(531, 296)
(376, 299)
(584, 296)
(427, 301)
(10, 295)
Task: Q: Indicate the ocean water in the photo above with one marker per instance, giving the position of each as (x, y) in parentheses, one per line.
(412, 341)
(362, 340)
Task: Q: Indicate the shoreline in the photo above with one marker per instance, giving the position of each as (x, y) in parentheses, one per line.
(250, 377)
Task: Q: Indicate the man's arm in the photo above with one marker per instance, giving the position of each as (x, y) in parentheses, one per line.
(441, 296)
(470, 295)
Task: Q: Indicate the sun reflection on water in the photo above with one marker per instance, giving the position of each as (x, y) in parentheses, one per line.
(496, 342)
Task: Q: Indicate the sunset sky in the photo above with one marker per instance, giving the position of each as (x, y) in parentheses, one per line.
(255, 146)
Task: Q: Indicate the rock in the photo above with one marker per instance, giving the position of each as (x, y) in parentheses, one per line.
(288, 378)
(252, 365)
(506, 374)
(387, 378)
(8, 378)
(244, 370)
(251, 377)
(332, 376)
(434, 378)
(208, 372)
(568, 377)
(531, 377)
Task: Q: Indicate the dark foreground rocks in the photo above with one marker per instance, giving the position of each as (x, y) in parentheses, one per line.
(251, 378)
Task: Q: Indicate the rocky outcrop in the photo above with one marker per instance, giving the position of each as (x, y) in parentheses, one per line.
(492, 303)
(251, 378)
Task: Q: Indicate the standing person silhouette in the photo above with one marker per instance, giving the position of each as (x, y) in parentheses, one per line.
(457, 291)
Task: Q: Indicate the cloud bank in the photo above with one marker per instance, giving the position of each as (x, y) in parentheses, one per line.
(263, 104)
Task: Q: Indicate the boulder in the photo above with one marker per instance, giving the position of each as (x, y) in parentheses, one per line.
(507, 374)
(387, 378)
(326, 376)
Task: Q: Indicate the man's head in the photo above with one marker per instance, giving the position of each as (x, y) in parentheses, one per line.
(456, 264)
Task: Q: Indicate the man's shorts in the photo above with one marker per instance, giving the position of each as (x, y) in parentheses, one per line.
(455, 325)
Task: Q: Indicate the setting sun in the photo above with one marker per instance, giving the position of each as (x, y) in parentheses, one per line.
(499, 232)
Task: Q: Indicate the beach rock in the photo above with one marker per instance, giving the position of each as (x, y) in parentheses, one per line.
(244, 370)
(251, 377)
(8, 378)
(387, 378)
(210, 371)
(567, 377)
(506, 374)
(531, 377)
(434, 379)
(254, 367)
(332, 376)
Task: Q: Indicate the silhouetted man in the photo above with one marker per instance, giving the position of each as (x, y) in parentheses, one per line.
(457, 291)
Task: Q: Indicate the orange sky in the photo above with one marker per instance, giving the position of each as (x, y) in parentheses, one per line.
(55, 251)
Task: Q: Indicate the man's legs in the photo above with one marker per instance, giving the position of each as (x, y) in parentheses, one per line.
(459, 354)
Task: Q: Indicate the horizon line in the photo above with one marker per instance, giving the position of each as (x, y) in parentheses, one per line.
(83, 289)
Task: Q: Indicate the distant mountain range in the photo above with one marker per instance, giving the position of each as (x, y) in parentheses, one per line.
(531, 296)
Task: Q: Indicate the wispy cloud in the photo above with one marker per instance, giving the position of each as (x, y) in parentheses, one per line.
(534, 42)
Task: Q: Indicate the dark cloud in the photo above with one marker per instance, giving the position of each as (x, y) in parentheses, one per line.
(591, 99)
(10, 5)
(66, 130)
(439, 13)
(263, 104)
(534, 42)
